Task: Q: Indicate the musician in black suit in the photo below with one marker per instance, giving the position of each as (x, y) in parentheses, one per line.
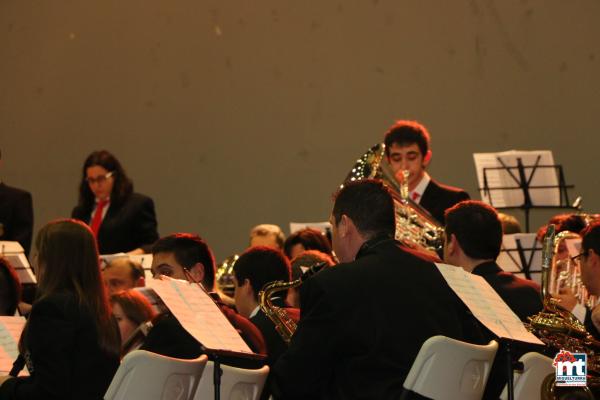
(473, 236)
(16, 215)
(363, 321)
(123, 221)
(407, 147)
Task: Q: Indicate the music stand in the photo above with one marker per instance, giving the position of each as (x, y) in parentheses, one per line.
(519, 253)
(520, 180)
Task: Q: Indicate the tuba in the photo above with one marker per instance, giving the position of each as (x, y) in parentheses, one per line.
(415, 227)
(284, 325)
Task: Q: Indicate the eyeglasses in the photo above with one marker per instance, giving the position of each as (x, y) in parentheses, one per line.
(578, 256)
(100, 179)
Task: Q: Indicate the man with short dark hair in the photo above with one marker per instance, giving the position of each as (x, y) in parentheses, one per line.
(256, 267)
(407, 147)
(473, 237)
(16, 214)
(364, 320)
(188, 257)
(590, 273)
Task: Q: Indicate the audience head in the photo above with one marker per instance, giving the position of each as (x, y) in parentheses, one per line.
(184, 256)
(130, 309)
(122, 274)
(407, 148)
(103, 177)
(473, 233)
(510, 224)
(590, 258)
(299, 264)
(267, 235)
(362, 210)
(68, 262)
(256, 267)
(10, 288)
(306, 239)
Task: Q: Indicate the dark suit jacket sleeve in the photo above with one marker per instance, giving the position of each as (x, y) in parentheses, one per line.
(146, 232)
(51, 334)
(306, 368)
(589, 325)
(23, 221)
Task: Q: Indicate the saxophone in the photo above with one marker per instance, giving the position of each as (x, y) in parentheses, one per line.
(284, 325)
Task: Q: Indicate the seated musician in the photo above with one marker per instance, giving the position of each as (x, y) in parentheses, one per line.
(407, 147)
(130, 309)
(306, 239)
(364, 320)
(123, 274)
(186, 256)
(267, 235)
(10, 288)
(473, 237)
(256, 267)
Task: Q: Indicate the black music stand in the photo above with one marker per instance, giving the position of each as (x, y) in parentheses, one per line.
(523, 259)
(522, 175)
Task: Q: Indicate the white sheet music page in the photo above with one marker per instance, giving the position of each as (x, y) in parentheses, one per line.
(497, 178)
(486, 305)
(10, 332)
(21, 265)
(199, 315)
(323, 227)
(509, 259)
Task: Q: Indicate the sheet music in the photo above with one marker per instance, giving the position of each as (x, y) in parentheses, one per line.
(501, 178)
(510, 261)
(323, 227)
(199, 315)
(486, 305)
(9, 246)
(10, 332)
(573, 246)
(21, 265)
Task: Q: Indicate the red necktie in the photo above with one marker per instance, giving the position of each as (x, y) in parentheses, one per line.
(415, 196)
(97, 220)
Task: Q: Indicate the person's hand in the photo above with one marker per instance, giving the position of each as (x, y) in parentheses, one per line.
(4, 379)
(567, 299)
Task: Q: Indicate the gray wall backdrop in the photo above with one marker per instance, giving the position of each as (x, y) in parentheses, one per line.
(233, 113)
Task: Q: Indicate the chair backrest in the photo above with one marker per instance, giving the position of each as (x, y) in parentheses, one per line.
(149, 376)
(528, 384)
(450, 369)
(236, 383)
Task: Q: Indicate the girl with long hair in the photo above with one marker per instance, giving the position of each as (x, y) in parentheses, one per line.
(70, 343)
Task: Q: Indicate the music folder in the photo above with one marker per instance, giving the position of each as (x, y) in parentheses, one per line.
(486, 305)
(15, 255)
(201, 317)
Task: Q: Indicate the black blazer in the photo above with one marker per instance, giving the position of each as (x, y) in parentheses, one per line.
(16, 216)
(437, 198)
(363, 323)
(125, 227)
(64, 359)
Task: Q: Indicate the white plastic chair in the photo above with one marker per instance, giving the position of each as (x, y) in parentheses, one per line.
(150, 376)
(450, 369)
(528, 384)
(236, 383)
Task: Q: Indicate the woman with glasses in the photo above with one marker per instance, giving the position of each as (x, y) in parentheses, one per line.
(121, 220)
(70, 342)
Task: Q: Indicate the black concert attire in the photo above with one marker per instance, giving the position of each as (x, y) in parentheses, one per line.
(362, 324)
(63, 355)
(126, 226)
(437, 198)
(524, 299)
(16, 216)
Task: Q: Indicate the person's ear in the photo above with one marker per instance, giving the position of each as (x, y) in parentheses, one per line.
(427, 159)
(197, 272)
(344, 226)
